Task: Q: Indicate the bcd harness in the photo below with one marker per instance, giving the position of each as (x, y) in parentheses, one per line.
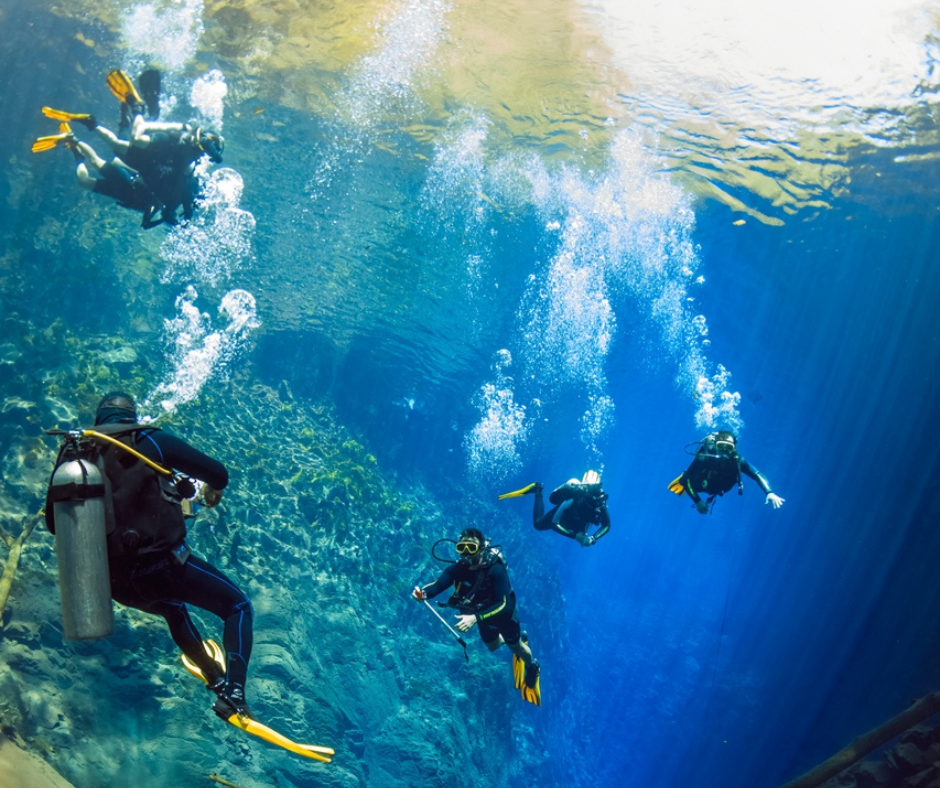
(142, 512)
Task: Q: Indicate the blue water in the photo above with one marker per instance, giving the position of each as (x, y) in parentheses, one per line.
(494, 285)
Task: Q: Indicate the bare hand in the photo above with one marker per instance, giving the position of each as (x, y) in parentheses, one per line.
(465, 623)
(776, 500)
(210, 497)
(418, 594)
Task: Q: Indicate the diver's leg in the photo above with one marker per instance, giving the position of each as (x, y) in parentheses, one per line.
(545, 521)
(87, 158)
(538, 506)
(204, 586)
(182, 628)
(118, 146)
(511, 632)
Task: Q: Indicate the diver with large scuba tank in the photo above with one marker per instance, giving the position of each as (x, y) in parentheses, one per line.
(115, 506)
(483, 597)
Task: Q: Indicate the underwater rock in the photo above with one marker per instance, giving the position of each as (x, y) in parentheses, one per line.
(21, 769)
(906, 759)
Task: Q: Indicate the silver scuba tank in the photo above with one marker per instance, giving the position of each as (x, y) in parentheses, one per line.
(77, 490)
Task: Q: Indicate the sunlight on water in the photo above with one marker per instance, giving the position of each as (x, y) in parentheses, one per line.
(199, 350)
(759, 105)
(382, 83)
(406, 42)
(219, 238)
(797, 60)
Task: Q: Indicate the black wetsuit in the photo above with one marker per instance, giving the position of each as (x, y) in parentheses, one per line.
(123, 184)
(166, 164)
(485, 592)
(576, 506)
(715, 474)
(154, 580)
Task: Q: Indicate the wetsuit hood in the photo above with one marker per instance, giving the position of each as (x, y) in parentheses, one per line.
(116, 407)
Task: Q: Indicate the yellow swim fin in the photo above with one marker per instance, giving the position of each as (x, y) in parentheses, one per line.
(676, 485)
(529, 488)
(262, 731)
(518, 671)
(531, 689)
(58, 114)
(123, 88)
(213, 650)
(48, 143)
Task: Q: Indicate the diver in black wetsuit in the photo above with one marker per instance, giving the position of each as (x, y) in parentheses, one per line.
(717, 468)
(165, 155)
(150, 564)
(483, 596)
(116, 180)
(577, 505)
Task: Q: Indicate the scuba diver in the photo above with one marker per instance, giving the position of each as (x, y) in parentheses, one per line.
(577, 504)
(149, 562)
(483, 595)
(112, 179)
(717, 468)
(164, 154)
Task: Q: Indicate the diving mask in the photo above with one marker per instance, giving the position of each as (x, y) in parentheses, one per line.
(468, 548)
(725, 446)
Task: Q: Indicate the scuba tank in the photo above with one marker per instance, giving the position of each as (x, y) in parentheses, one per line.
(77, 494)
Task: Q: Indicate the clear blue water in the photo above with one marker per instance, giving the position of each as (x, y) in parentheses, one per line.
(495, 280)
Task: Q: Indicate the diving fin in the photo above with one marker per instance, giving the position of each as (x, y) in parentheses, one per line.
(262, 731)
(531, 690)
(252, 726)
(676, 486)
(529, 488)
(518, 671)
(213, 650)
(64, 136)
(149, 82)
(121, 86)
(58, 114)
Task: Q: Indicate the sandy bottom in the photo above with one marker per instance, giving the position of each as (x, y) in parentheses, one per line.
(20, 769)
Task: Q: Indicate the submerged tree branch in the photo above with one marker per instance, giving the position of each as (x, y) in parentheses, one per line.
(914, 715)
(13, 558)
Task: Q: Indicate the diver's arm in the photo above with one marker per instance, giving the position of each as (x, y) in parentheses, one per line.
(605, 524)
(749, 470)
(148, 221)
(178, 454)
(769, 496)
(687, 483)
(431, 590)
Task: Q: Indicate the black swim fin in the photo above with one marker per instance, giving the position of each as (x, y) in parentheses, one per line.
(149, 83)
